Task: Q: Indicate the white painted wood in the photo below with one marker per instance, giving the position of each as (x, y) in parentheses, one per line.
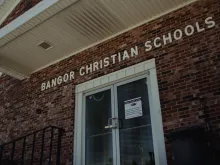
(13, 68)
(157, 125)
(6, 8)
(121, 74)
(129, 72)
(12, 73)
(77, 130)
(41, 6)
(104, 80)
(139, 68)
(110, 78)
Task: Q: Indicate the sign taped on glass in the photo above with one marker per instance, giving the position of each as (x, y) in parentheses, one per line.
(133, 108)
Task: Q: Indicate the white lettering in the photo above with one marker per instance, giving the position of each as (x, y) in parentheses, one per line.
(199, 29)
(167, 39)
(48, 85)
(81, 72)
(43, 85)
(113, 58)
(95, 66)
(157, 45)
(156, 42)
(119, 57)
(125, 55)
(88, 68)
(148, 46)
(101, 65)
(134, 51)
(209, 22)
(65, 77)
(59, 80)
(189, 30)
(106, 61)
(72, 75)
(53, 82)
(178, 34)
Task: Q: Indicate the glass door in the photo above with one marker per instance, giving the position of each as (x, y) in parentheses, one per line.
(118, 125)
(135, 142)
(98, 138)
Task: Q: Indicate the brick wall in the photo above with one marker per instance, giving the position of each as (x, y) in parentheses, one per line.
(187, 70)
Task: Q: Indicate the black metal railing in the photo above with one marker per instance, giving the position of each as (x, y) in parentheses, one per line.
(40, 147)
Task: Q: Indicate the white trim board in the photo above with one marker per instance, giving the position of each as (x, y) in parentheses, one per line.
(9, 11)
(34, 11)
(118, 75)
(145, 68)
(12, 73)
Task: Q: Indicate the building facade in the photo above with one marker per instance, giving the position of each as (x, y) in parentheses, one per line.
(119, 100)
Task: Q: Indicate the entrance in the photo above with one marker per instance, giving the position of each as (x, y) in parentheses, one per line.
(117, 128)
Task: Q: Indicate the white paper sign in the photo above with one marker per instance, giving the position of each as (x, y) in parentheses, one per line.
(133, 108)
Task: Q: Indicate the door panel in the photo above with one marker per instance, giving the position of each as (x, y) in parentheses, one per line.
(136, 146)
(98, 139)
(135, 134)
(129, 143)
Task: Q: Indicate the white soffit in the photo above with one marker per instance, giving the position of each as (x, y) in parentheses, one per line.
(38, 12)
(71, 28)
(6, 7)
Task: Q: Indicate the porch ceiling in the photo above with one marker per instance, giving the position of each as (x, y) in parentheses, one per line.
(71, 27)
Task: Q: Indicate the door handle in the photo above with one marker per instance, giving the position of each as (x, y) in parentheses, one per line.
(110, 126)
(112, 123)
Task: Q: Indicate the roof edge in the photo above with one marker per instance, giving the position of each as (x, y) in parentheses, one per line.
(37, 9)
(9, 11)
(13, 73)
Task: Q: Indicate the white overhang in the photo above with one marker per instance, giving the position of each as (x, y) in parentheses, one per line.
(71, 26)
(6, 7)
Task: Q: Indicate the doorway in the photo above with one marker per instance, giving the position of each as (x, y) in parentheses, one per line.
(118, 125)
(118, 119)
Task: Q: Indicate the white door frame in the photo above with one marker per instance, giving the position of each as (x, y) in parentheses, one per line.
(147, 67)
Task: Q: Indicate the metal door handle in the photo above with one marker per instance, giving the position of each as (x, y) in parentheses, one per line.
(110, 126)
(114, 123)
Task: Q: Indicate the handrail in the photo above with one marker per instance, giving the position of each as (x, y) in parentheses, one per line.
(23, 147)
(31, 134)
